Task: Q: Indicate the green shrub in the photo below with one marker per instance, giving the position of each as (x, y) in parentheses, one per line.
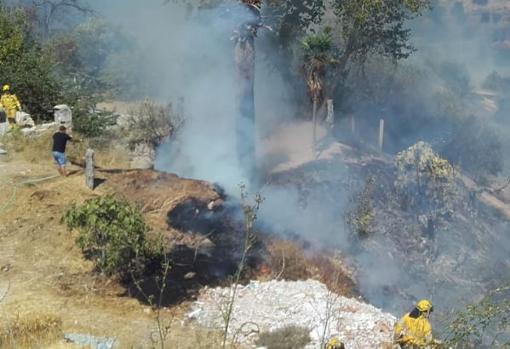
(90, 122)
(113, 234)
(361, 218)
(290, 337)
(481, 325)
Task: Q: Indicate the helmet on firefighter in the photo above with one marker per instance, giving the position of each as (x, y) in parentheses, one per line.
(6, 88)
(424, 306)
(334, 344)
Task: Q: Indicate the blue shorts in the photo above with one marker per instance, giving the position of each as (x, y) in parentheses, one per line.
(60, 158)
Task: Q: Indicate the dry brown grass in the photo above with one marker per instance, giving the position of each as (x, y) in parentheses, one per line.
(289, 260)
(37, 149)
(30, 330)
(32, 149)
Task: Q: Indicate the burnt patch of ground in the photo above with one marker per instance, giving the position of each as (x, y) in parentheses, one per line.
(204, 239)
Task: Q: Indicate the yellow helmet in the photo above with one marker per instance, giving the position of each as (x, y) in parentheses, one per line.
(424, 306)
(335, 344)
(6, 88)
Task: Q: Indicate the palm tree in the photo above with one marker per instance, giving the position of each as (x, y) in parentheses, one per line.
(317, 57)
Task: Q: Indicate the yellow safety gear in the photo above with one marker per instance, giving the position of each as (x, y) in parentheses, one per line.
(424, 305)
(11, 104)
(412, 332)
(334, 344)
(6, 88)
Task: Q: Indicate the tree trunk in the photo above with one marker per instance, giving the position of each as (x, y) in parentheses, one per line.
(314, 120)
(245, 127)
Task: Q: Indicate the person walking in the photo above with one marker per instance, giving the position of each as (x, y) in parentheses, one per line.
(60, 140)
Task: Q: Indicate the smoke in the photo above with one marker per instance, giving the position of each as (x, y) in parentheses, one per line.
(189, 55)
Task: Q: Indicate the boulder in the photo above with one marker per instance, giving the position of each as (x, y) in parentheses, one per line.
(63, 115)
(24, 120)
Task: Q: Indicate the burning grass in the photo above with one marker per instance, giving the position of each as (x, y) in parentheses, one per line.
(30, 330)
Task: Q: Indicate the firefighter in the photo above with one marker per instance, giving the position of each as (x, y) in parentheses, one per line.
(334, 344)
(413, 330)
(10, 103)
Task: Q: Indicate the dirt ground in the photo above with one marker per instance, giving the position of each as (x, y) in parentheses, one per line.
(43, 272)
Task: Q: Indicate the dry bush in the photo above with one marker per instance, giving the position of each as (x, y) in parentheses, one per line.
(287, 260)
(290, 261)
(150, 123)
(31, 330)
(290, 337)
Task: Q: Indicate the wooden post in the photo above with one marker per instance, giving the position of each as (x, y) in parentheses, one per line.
(89, 168)
(330, 118)
(314, 120)
(353, 124)
(381, 134)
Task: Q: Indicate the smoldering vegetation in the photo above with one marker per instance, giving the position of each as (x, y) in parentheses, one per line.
(444, 94)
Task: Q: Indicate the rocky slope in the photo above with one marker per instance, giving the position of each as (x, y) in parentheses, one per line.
(268, 306)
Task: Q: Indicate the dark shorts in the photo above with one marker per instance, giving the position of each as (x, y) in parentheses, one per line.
(60, 158)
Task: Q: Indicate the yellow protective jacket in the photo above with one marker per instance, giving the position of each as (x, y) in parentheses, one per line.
(413, 332)
(11, 104)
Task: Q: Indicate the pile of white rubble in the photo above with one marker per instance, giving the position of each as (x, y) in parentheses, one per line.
(268, 306)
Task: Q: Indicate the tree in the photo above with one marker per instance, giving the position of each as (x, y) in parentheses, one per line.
(48, 10)
(245, 69)
(317, 58)
(373, 27)
(24, 65)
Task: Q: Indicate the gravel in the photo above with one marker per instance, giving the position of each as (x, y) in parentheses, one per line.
(268, 306)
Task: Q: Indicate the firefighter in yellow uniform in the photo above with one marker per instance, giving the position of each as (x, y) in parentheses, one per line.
(334, 344)
(414, 331)
(10, 103)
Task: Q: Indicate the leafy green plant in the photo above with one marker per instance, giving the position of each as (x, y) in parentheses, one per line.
(89, 122)
(362, 216)
(482, 325)
(113, 234)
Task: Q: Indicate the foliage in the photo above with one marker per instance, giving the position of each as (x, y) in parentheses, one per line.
(25, 66)
(376, 27)
(476, 148)
(485, 324)
(362, 217)
(150, 123)
(290, 337)
(98, 58)
(113, 234)
(90, 122)
(425, 182)
(49, 17)
(317, 58)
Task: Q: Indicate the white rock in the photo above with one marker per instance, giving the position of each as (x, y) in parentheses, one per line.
(277, 304)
